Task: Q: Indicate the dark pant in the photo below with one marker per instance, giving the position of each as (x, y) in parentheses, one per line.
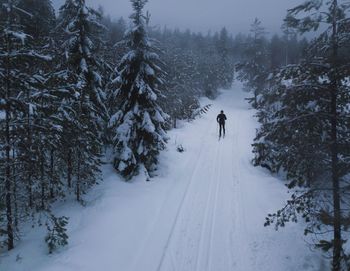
(222, 128)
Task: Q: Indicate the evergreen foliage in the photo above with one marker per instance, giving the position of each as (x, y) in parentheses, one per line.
(57, 94)
(254, 70)
(56, 233)
(82, 71)
(304, 112)
(139, 121)
(75, 85)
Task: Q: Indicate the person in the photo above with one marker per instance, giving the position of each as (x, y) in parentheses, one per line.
(221, 119)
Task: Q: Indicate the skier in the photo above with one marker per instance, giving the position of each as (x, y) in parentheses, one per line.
(221, 118)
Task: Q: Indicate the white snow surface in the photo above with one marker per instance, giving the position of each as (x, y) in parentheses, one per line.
(203, 212)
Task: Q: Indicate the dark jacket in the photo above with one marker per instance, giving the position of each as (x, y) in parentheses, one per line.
(221, 118)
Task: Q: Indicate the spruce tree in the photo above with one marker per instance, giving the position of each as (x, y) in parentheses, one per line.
(19, 84)
(306, 129)
(82, 112)
(138, 122)
(42, 20)
(226, 69)
(254, 69)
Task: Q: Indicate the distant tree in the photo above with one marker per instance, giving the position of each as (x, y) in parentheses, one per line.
(277, 52)
(41, 21)
(226, 67)
(254, 68)
(180, 91)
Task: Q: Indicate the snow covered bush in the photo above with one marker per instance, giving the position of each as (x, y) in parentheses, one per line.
(56, 235)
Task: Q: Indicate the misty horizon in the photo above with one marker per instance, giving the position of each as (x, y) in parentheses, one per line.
(210, 16)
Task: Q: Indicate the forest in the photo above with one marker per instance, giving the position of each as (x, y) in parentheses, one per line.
(77, 84)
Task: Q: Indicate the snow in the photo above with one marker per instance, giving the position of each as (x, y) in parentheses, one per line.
(127, 154)
(40, 56)
(147, 123)
(203, 212)
(115, 118)
(124, 130)
(149, 71)
(83, 65)
(122, 166)
(32, 108)
(18, 35)
(158, 117)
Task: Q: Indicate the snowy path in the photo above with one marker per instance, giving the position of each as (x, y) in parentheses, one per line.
(204, 212)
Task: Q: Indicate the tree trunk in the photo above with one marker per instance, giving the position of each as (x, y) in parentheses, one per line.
(336, 194)
(42, 179)
(8, 187)
(29, 189)
(255, 105)
(10, 235)
(14, 189)
(334, 147)
(52, 181)
(69, 168)
(78, 177)
(29, 162)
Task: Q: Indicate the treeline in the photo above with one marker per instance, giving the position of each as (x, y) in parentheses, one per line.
(304, 111)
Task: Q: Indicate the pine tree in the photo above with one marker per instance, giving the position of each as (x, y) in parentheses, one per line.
(254, 69)
(180, 93)
(306, 131)
(38, 129)
(56, 232)
(18, 84)
(139, 121)
(42, 20)
(226, 68)
(83, 111)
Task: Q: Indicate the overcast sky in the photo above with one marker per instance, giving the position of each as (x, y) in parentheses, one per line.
(204, 15)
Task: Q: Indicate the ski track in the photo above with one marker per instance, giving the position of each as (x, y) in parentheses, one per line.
(211, 231)
(204, 212)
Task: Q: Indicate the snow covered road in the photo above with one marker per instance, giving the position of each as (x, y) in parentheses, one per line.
(204, 212)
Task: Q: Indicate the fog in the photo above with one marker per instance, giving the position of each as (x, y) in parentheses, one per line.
(204, 15)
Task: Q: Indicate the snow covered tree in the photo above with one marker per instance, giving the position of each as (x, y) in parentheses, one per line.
(38, 128)
(277, 52)
(42, 20)
(18, 85)
(254, 69)
(306, 128)
(82, 112)
(181, 92)
(183, 82)
(56, 232)
(226, 66)
(138, 122)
